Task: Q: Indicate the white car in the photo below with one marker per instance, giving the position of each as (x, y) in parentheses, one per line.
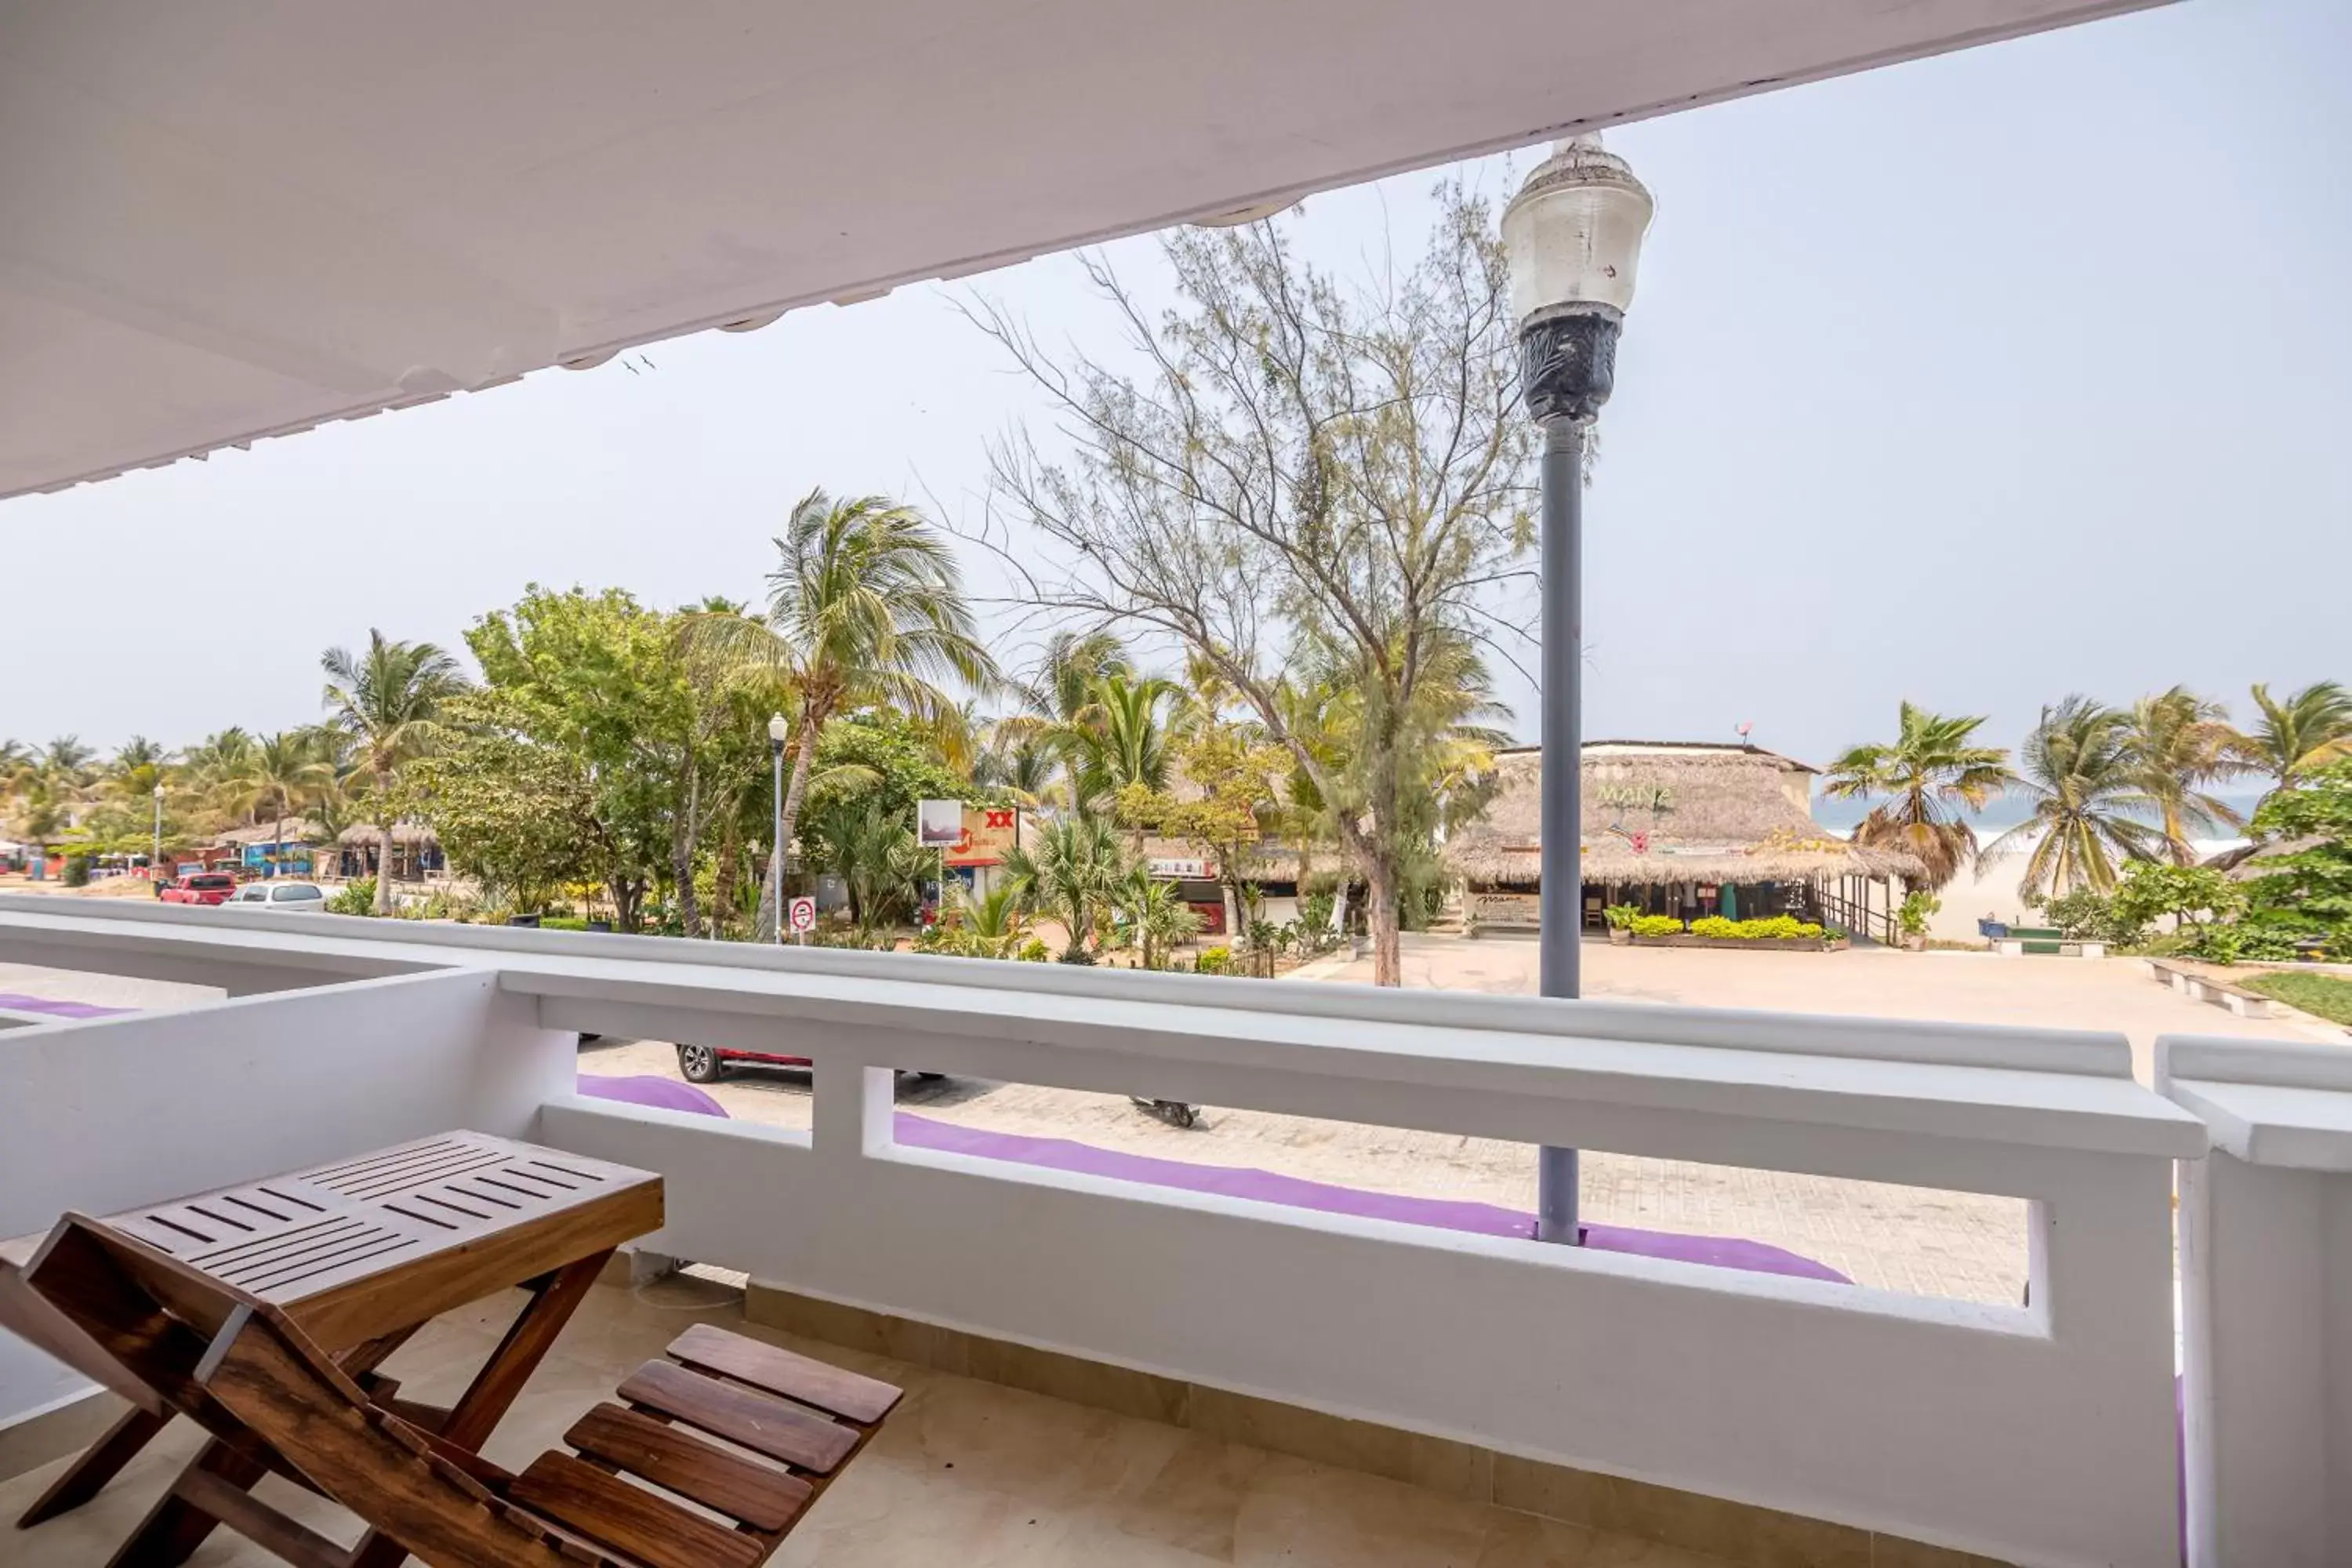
(278, 898)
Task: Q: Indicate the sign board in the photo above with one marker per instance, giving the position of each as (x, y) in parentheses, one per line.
(1519, 911)
(1184, 870)
(1636, 796)
(989, 833)
(800, 914)
(938, 823)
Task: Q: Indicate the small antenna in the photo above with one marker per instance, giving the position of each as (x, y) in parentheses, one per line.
(1746, 728)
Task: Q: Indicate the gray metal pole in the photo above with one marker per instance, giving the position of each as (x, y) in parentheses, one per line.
(776, 843)
(1563, 776)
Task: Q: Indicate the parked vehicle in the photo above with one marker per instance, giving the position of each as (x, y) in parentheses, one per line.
(201, 888)
(280, 897)
(708, 1064)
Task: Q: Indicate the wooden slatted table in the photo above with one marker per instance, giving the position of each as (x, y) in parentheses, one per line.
(361, 1253)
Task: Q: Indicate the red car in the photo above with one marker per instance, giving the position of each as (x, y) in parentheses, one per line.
(708, 1064)
(201, 888)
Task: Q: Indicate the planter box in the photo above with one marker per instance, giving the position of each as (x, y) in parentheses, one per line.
(1749, 944)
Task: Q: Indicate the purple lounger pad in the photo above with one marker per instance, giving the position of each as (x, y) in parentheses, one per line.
(661, 1093)
(11, 1001)
(1265, 1186)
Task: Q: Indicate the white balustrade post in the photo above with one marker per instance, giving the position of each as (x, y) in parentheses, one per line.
(2266, 1301)
(851, 1117)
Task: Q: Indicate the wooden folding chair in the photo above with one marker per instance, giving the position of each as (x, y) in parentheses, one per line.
(170, 1337)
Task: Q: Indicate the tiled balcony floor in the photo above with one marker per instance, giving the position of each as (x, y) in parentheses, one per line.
(966, 1473)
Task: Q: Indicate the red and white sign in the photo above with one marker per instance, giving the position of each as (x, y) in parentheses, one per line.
(988, 831)
(800, 914)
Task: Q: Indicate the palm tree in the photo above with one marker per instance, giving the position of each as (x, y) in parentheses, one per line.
(1073, 873)
(68, 762)
(1127, 746)
(1017, 761)
(1161, 917)
(222, 756)
(284, 774)
(874, 852)
(1061, 700)
(2308, 730)
(995, 923)
(138, 751)
(388, 699)
(2178, 743)
(2080, 773)
(1931, 774)
(865, 608)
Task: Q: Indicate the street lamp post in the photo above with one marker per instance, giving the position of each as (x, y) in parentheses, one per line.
(1573, 235)
(156, 858)
(776, 732)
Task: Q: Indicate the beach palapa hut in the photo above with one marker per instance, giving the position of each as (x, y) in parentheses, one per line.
(416, 851)
(1678, 827)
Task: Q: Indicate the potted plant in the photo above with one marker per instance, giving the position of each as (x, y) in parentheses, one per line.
(1919, 907)
(1621, 923)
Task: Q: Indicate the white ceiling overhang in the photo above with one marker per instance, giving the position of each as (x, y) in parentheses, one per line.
(225, 219)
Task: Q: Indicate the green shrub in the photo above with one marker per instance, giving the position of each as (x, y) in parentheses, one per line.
(1919, 907)
(2088, 915)
(77, 871)
(2256, 940)
(1213, 961)
(563, 922)
(1776, 928)
(1656, 925)
(1621, 917)
(1315, 917)
(1035, 951)
(356, 897)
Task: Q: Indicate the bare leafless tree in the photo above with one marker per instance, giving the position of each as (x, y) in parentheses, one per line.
(1285, 467)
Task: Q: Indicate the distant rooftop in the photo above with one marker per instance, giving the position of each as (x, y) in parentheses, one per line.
(1621, 748)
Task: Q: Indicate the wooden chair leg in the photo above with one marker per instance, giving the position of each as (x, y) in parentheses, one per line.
(101, 1463)
(469, 1423)
(123, 1441)
(175, 1527)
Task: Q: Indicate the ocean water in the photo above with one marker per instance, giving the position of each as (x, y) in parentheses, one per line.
(1841, 816)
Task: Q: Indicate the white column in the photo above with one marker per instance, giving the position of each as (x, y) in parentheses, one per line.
(2266, 1296)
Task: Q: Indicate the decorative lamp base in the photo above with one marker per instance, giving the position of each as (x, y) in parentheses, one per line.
(1567, 362)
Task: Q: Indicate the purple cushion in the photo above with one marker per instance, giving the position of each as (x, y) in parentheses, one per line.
(661, 1093)
(15, 1003)
(1266, 1186)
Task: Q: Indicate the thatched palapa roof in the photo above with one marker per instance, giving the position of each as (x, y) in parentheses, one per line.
(298, 830)
(1710, 813)
(410, 834)
(2251, 862)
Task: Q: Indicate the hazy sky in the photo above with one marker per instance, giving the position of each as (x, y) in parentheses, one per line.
(1975, 381)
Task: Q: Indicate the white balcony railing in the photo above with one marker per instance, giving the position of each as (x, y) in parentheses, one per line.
(2267, 1282)
(2039, 1432)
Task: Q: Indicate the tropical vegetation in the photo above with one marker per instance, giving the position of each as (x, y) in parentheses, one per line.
(1932, 776)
